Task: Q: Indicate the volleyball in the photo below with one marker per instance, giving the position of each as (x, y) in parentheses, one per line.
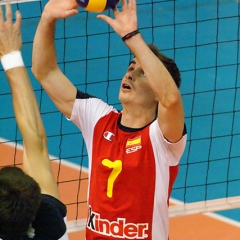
(97, 5)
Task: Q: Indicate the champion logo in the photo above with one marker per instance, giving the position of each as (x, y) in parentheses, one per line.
(108, 135)
(116, 229)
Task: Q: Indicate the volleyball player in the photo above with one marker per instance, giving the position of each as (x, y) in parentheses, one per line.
(131, 153)
(29, 199)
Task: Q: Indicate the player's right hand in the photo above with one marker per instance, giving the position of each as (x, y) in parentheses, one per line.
(56, 9)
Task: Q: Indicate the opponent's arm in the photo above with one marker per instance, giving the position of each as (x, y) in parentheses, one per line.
(36, 161)
(170, 107)
(44, 61)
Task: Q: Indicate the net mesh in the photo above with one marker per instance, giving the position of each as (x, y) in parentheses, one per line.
(203, 38)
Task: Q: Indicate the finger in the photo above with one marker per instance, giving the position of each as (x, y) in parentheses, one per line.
(1, 15)
(105, 18)
(124, 4)
(132, 5)
(8, 13)
(18, 19)
(115, 10)
(70, 13)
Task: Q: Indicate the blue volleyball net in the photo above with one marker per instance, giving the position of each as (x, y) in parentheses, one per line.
(203, 38)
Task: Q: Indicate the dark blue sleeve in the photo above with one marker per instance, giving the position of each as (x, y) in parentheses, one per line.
(49, 221)
(83, 95)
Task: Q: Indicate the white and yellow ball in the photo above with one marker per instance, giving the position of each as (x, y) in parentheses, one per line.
(97, 5)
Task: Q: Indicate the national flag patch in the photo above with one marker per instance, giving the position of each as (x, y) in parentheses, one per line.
(134, 141)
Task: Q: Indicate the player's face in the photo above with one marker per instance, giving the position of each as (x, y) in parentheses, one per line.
(134, 87)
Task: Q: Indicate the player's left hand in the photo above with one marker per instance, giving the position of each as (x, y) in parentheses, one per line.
(125, 21)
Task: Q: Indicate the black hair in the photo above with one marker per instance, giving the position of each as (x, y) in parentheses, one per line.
(20, 197)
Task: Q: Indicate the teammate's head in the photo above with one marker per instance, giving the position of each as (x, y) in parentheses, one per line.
(20, 197)
(169, 64)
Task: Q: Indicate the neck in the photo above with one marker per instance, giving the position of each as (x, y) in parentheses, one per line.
(136, 118)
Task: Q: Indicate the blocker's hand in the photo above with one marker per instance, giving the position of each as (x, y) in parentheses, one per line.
(56, 9)
(10, 33)
(125, 21)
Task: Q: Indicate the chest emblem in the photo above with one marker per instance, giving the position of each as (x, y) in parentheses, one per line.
(108, 135)
(134, 144)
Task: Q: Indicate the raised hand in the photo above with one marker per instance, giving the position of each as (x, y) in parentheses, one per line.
(56, 9)
(10, 33)
(125, 21)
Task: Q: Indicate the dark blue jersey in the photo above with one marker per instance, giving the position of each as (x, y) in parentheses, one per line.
(49, 222)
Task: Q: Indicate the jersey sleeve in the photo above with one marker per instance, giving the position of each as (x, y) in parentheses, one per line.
(165, 150)
(87, 110)
(49, 222)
